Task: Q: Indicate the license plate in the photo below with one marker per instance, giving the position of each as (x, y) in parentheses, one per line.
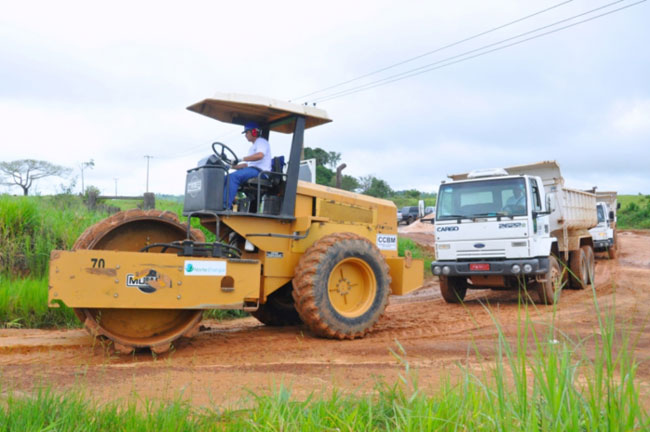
(479, 267)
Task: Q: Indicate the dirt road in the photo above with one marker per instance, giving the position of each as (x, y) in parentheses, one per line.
(227, 359)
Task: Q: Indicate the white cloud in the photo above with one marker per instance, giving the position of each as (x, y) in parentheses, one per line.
(632, 118)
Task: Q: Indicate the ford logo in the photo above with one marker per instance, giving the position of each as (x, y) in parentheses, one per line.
(479, 245)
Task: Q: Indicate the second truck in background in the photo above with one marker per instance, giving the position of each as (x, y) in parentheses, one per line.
(604, 234)
(513, 228)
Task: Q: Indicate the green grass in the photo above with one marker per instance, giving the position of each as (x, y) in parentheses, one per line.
(634, 212)
(30, 227)
(418, 252)
(540, 380)
(23, 304)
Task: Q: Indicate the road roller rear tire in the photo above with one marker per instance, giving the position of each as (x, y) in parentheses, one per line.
(341, 286)
(131, 329)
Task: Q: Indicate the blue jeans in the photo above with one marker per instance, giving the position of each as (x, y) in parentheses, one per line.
(233, 180)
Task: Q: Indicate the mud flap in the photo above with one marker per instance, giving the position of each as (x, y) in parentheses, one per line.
(407, 274)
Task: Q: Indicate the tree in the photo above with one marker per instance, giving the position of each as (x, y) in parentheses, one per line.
(333, 159)
(23, 172)
(324, 176)
(371, 185)
(412, 193)
(321, 156)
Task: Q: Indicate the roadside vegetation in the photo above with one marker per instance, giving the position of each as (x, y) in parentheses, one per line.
(634, 212)
(417, 251)
(539, 380)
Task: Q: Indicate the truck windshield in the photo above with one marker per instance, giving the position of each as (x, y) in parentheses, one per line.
(482, 198)
(601, 213)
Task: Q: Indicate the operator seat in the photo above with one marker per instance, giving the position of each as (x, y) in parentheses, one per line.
(267, 184)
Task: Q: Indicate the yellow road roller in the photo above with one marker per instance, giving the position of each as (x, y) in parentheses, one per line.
(289, 252)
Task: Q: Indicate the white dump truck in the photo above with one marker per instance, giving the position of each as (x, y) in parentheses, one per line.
(604, 234)
(513, 228)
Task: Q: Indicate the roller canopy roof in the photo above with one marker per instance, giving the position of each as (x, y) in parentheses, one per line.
(277, 115)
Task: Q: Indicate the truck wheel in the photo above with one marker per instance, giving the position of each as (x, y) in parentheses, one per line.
(341, 286)
(453, 289)
(279, 309)
(549, 289)
(579, 269)
(591, 265)
(611, 251)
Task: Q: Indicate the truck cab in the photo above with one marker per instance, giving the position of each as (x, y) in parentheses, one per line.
(603, 233)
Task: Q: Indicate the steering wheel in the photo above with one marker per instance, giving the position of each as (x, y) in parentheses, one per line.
(224, 153)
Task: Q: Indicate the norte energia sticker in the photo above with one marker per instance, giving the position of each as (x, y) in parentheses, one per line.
(204, 268)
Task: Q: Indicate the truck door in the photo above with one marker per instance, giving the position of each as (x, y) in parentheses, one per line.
(540, 228)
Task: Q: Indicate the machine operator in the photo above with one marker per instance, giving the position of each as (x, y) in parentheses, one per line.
(258, 159)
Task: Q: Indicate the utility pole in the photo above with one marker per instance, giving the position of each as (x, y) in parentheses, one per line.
(115, 178)
(83, 165)
(147, 157)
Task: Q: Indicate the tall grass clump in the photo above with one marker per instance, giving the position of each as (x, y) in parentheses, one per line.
(23, 304)
(31, 227)
(72, 411)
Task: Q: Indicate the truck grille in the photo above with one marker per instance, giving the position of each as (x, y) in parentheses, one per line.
(489, 253)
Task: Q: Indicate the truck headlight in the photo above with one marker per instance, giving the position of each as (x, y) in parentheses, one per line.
(446, 270)
(528, 268)
(515, 269)
(436, 270)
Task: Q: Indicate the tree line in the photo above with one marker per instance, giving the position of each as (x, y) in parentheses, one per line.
(326, 164)
(23, 173)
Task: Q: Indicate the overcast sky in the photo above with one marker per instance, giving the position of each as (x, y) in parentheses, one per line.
(110, 81)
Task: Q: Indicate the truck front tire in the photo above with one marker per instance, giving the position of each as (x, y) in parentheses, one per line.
(549, 289)
(611, 251)
(453, 289)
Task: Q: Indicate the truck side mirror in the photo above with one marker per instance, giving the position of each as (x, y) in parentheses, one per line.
(549, 206)
(618, 206)
(611, 215)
